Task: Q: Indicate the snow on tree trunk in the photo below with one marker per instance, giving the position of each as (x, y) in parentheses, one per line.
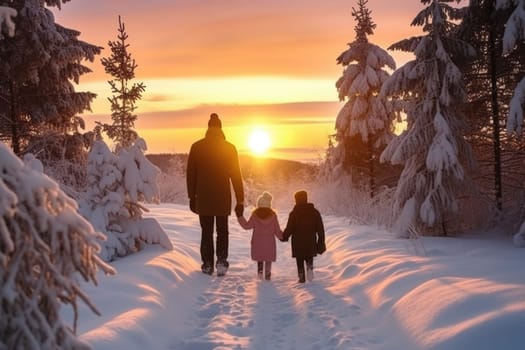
(117, 183)
(46, 247)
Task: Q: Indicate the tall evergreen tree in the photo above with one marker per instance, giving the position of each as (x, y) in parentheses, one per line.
(515, 33)
(117, 182)
(432, 146)
(38, 68)
(122, 67)
(490, 78)
(38, 271)
(365, 123)
(513, 42)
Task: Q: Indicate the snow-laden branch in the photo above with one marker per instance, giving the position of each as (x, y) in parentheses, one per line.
(514, 32)
(117, 183)
(6, 21)
(46, 248)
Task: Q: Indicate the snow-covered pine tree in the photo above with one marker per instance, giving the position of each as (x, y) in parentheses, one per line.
(122, 67)
(365, 123)
(490, 79)
(116, 186)
(118, 182)
(38, 67)
(46, 249)
(432, 148)
(514, 33)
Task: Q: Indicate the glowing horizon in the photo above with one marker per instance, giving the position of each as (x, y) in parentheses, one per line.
(176, 94)
(271, 64)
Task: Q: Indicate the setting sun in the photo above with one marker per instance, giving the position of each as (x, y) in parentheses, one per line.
(259, 141)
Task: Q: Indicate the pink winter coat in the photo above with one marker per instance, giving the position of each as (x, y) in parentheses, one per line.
(263, 247)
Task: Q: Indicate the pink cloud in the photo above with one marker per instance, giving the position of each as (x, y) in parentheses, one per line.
(237, 37)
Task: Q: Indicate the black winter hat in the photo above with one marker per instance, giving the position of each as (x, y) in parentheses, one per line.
(301, 197)
(214, 121)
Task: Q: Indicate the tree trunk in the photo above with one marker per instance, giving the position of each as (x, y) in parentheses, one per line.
(15, 135)
(371, 169)
(495, 121)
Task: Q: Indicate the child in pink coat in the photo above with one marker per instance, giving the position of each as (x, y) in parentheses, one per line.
(265, 227)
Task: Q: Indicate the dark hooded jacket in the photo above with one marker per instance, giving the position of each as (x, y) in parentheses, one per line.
(213, 164)
(306, 228)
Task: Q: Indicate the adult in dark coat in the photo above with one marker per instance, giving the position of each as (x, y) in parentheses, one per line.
(213, 167)
(305, 226)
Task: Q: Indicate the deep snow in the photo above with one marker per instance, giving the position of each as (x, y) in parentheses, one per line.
(371, 291)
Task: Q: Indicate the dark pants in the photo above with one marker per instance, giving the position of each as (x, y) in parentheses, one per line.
(207, 246)
(300, 265)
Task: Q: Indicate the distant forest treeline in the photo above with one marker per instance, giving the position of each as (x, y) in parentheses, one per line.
(250, 166)
(278, 176)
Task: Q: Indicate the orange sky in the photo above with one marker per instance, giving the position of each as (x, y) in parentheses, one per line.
(270, 64)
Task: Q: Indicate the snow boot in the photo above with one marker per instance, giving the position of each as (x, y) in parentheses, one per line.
(207, 269)
(309, 274)
(301, 278)
(222, 268)
(268, 275)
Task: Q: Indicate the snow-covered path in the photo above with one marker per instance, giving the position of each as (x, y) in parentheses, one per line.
(370, 292)
(238, 312)
(233, 312)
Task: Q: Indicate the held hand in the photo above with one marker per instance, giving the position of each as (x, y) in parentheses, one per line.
(321, 247)
(193, 207)
(239, 210)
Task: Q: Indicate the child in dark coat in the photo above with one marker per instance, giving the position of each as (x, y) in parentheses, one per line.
(306, 228)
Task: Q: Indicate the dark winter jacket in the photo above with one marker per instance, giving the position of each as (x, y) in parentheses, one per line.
(212, 164)
(306, 228)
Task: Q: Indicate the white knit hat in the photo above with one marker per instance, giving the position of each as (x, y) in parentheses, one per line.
(264, 200)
